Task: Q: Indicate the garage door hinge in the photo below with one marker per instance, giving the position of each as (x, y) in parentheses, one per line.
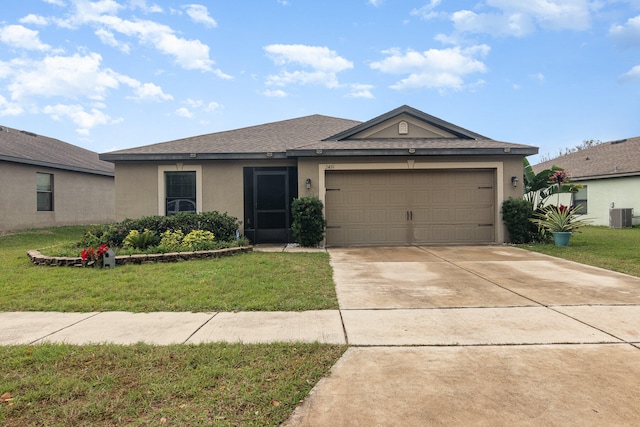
(485, 225)
(332, 189)
(482, 188)
(333, 226)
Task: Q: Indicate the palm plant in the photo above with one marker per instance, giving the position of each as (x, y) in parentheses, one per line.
(559, 219)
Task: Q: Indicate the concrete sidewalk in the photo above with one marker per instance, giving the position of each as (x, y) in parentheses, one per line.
(171, 328)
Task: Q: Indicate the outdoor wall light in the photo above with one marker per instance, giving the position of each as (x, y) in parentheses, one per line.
(318, 152)
(514, 181)
(308, 183)
(412, 150)
(269, 154)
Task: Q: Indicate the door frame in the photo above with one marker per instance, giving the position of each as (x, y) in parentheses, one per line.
(252, 229)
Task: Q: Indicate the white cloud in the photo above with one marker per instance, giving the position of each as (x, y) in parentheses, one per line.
(360, 91)
(317, 57)
(426, 12)
(184, 112)
(200, 14)
(278, 93)
(66, 76)
(212, 106)
(188, 54)
(434, 68)
(375, 3)
(323, 62)
(109, 39)
(55, 2)
(83, 119)
(34, 20)
(142, 4)
(9, 108)
(151, 92)
(631, 75)
(516, 24)
(193, 103)
(18, 36)
(519, 18)
(627, 34)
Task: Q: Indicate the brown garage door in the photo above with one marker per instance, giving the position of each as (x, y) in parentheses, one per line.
(410, 207)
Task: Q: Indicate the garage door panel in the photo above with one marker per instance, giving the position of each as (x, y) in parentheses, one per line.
(410, 207)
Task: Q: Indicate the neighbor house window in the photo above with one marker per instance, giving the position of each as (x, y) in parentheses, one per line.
(44, 182)
(580, 200)
(180, 192)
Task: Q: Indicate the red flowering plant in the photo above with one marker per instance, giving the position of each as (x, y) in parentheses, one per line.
(560, 218)
(92, 257)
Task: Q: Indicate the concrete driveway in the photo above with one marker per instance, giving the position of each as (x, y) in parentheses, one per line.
(479, 336)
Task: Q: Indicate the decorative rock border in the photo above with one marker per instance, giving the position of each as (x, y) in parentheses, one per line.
(37, 258)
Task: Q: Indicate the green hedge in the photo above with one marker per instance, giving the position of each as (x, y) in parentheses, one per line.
(223, 226)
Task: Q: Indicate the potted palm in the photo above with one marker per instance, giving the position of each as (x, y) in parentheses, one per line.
(561, 221)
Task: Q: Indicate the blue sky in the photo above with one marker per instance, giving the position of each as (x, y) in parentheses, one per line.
(114, 74)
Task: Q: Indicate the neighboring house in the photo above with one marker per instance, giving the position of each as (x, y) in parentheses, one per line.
(404, 177)
(47, 182)
(610, 174)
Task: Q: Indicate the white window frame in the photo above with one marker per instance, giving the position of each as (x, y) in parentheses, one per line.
(162, 188)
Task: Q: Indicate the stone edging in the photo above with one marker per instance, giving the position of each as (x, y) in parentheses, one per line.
(37, 258)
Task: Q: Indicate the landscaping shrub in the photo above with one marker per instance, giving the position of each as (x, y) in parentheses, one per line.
(137, 240)
(308, 222)
(223, 226)
(198, 240)
(516, 214)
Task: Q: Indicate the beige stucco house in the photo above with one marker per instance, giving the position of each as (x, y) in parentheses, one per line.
(404, 177)
(47, 182)
(610, 175)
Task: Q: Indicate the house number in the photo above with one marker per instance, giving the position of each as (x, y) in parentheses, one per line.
(330, 167)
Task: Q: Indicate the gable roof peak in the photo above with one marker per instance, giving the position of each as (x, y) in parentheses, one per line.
(420, 115)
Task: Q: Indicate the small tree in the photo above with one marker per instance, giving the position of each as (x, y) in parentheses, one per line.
(308, 222)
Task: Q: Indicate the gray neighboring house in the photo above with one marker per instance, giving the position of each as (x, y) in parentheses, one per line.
(404, 177)
(47, 182)
(610, 174)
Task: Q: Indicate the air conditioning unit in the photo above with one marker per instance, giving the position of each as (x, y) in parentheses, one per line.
(620, 217)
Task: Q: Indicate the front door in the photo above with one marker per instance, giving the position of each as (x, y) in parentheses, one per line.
(269, 191)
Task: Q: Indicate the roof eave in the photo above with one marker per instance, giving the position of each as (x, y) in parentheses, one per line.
(605, 176)
(172, 157)
(55, 166)
(358, 152)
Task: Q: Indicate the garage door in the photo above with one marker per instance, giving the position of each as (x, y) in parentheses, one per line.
(410, 207)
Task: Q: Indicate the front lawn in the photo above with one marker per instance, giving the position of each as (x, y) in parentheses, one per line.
(616, 249)
(180, 385)
(246, 282)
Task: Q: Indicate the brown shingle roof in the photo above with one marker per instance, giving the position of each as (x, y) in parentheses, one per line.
(28, 148)
(304, 136)
(270, 137)
(606, 160)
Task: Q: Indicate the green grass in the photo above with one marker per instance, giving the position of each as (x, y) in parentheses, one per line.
(207, 384)
(613, 249)
(245, 282)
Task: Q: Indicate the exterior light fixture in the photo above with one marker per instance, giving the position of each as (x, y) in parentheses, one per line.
(308, 183)
(514, 181)
(318, 152)
(192, 155)
(412, 150)
(269, 154)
